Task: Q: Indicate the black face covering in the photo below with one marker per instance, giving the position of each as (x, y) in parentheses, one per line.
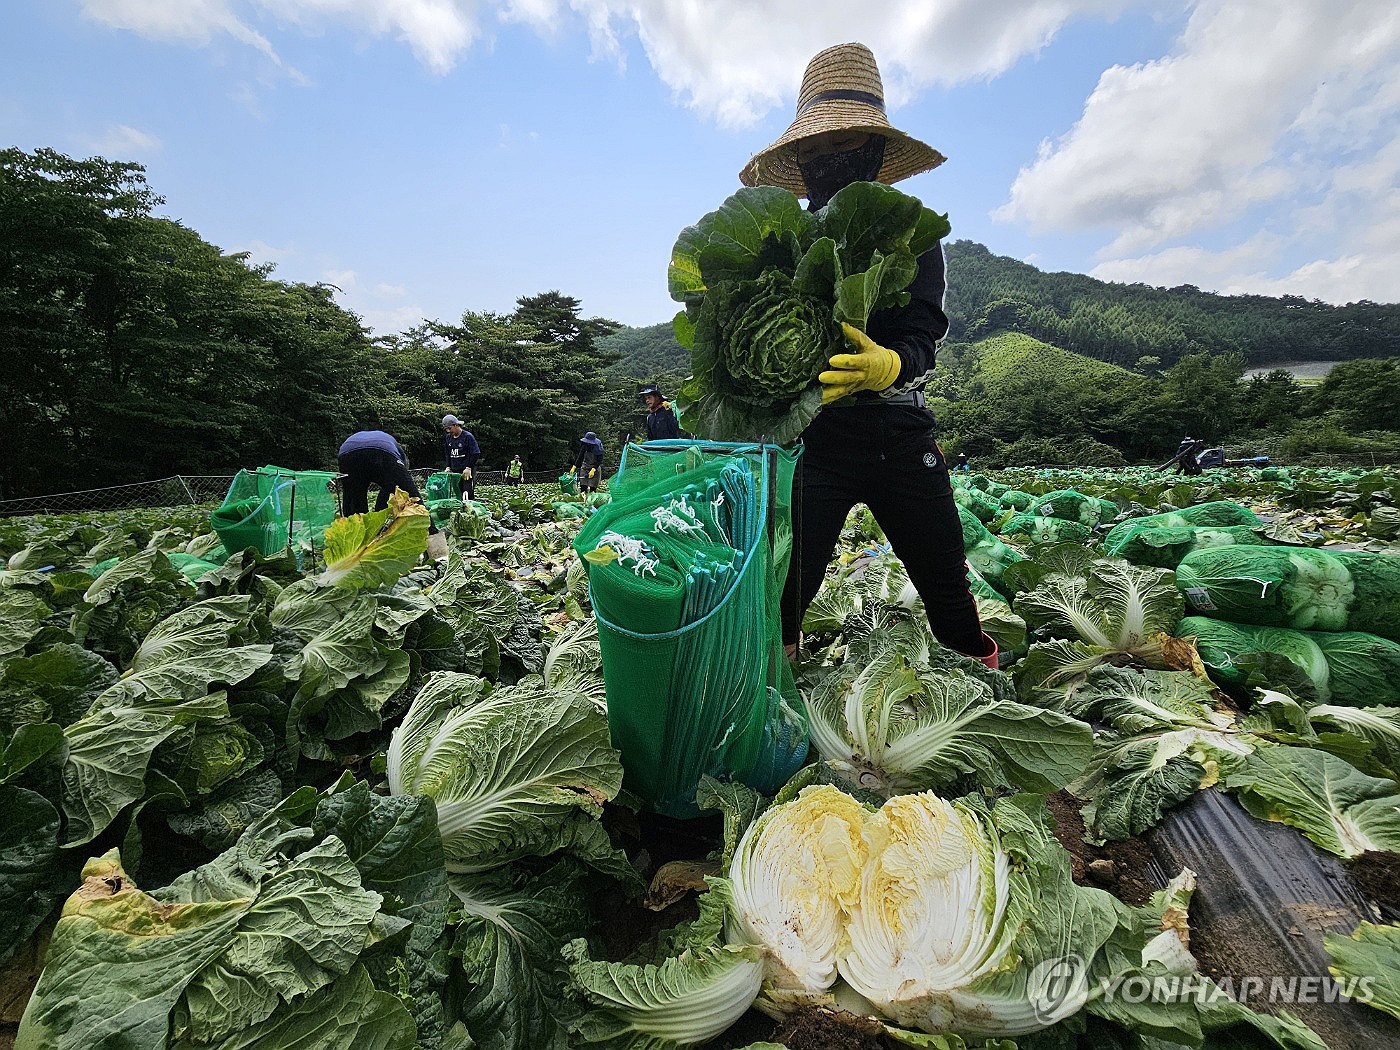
(825, 175)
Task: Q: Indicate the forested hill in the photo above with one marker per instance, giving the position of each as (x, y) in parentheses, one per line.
(1118, 323)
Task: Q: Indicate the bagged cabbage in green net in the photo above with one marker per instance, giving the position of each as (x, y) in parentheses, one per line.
(1316, 590)
(564, 511)
(985, 484)
(988, 555)
(1015, 499)
(1034, 528)
(1069, 505)
(1217, 514)
(1347, 668)
(982, 506)
(1165, 545)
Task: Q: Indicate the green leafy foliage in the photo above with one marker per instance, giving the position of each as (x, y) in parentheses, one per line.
(765, 284)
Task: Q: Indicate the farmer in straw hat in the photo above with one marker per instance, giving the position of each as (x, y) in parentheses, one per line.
(874, 443)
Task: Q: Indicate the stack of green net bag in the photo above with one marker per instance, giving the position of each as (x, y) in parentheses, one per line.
(273, 508)
(1328, 621)
(685, 570)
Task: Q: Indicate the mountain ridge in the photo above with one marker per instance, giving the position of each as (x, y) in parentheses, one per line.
(1136, 326)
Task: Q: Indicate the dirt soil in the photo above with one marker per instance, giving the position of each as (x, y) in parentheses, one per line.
(818, 1030)
(1377, 876)
(1121, 868)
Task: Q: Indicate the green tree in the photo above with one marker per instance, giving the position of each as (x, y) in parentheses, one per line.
(1362, 395)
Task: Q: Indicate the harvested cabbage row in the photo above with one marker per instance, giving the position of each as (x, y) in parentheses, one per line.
(1216, 514)
(1069, 505)
(1310, 590)
(1349, 668)
(1166, 545)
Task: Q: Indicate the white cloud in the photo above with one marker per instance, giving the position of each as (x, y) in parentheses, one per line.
(730, 60)
(384, 290)
(123, 142)
(185, 21)
(262, 252)
(345, 280)
(1192, 140)
(393, 319)
(439, 32)
(1286, 120)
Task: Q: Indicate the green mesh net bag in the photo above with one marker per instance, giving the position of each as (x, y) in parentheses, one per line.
(986, 554)
(442, 485)
(685, 571)
(272, 508)
(1015, 499)
(1297, 587)
(1069, 505)
(1216, 514)
(1347, 668)
(1166, 545)
(1036, 528)
(982, 506)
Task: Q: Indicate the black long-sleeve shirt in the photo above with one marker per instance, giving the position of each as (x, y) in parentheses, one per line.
(912, 331)
(662, 424)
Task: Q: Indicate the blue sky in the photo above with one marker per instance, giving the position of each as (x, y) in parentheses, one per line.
(431, 156)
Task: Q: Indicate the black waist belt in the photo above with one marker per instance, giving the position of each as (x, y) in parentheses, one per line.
(914, 398)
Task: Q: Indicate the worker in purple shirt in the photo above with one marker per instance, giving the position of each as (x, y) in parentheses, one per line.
(373, 457)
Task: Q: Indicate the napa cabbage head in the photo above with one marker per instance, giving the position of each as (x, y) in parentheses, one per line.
(795, 874)
(960, 913)
(772, 339)
(888, 723)
(515, 771)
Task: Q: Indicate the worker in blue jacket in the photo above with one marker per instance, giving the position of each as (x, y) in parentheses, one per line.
(373, 457)
(661, 419)
(461, 452)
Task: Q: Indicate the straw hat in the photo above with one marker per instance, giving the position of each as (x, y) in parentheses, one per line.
(841, 91)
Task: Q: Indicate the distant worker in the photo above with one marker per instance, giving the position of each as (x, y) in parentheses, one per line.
(589, 464)
(373, 457)
(661, 419)
(1185, 457)
(515, 471)
(461, 451)
(963, 466)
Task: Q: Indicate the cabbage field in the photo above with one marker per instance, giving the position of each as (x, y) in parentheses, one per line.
(344, 797)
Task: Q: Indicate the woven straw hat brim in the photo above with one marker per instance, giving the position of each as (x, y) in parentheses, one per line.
(841, 91)
(776, 165)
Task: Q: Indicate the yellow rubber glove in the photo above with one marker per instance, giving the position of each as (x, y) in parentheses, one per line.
(466, 473)
(573, 469)
(592, 472)
(871, 367)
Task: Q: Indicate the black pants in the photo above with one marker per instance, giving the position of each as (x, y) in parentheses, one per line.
(373, 466)
(912, 500)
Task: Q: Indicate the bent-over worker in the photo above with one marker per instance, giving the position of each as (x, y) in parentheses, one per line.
(374, 457)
